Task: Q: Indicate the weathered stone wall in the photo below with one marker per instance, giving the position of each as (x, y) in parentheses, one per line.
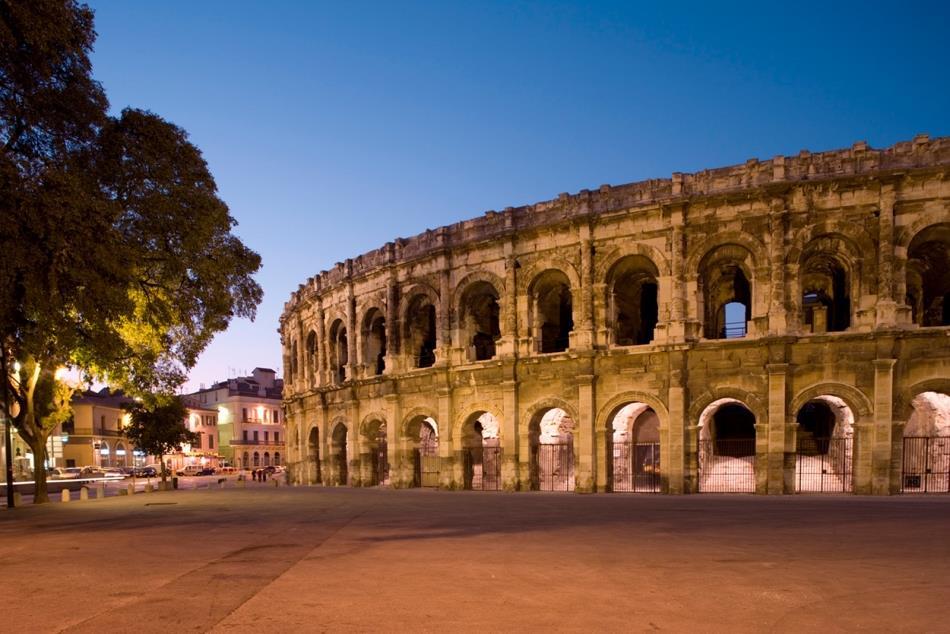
(819, 249)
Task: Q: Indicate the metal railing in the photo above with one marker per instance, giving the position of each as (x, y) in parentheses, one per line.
(636, 467)
(727, 466)
(824, 465)
(554, 467)
(482, 468)
(925, 467)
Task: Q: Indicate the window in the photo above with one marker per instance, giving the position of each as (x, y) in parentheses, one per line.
(276, 417)
(245, 413)
(256, 440)
(266, 434)
(245, 435)
(210, 442)
(257, 459)
(276, 437)
(102, 423)
(198, 441)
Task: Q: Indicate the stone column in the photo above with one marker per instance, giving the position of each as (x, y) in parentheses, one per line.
(891, 308)
(585, 473)
(777, 305)
(509, 321)
(761, 458)
(673, 439)
(394, 453)
(510, 436)
(353, 442)
(302, 376)
(323, 346)
(445, 314)
(777, 449)
(352, 362)
(583, 335)
(392, 325)
(447, 476)
(880, 442)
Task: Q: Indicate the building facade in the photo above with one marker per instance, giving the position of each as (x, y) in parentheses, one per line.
(775, 327)
(250, 421)
(95, 435)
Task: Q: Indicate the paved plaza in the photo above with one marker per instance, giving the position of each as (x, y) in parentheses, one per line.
(316, 559)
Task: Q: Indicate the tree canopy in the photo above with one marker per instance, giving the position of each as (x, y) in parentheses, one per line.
(159, 429)
(118, 257)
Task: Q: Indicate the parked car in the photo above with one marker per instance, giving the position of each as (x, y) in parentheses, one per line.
(72, 473)
(227, 470)
(92, 472)
(115, 472)
(55, 473)
(206, 471)
(147, 471)
(191, 470)
(273, 470)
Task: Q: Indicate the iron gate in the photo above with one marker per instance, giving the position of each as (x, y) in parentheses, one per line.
(380, 457)
(636, 467)
(425, 470)
(555, 467)
(482, 467)
(727, 466)
(926, 465)
(824, 465)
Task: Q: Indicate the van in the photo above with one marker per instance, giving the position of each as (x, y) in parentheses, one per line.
(190, 470)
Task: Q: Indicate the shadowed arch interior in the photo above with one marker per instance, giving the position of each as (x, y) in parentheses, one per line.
(634, 300)
(553, 311)
(928, 276)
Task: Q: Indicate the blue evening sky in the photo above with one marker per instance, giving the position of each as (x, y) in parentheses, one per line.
(333, 128)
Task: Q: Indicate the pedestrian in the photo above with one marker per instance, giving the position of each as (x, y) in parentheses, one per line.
(263, 475)
(254, 475)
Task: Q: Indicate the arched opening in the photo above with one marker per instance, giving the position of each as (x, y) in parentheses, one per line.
(246, 462)
(423, 434)
(313, 455)
(311, 354)
(825, 451)
(339, 351)
(377, 452)
(421, 332)
(339, 456)
(928, 276)
(276, 458)
(727, 448)
(634, 301)
(266, 458)
(635, 449)
(481, 453)
(826, 292)
(551, 443)
(479, 320)
(726, 292)
(293, 362)
(120, 460)
(374, 341)
(553, 312)
(105, 453)
(257, 459)
(926, 452)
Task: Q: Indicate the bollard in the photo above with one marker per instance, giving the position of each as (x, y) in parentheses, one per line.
(174, 483)
(222, 482)
(64, 496)
(17, 498)
(123, 491)
(242, 483)
(148, 487)
(276, 482)
(101, 490)
(83, 494)
(130, 490)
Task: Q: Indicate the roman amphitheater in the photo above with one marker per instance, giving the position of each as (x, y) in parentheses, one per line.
(775, 327)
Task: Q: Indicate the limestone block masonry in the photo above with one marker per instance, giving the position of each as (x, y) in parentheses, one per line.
(770, 327)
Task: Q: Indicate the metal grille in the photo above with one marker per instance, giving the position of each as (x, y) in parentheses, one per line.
(426, 470)
(727, 466)
(636, 467)
(380, 459)
(317, 472)
(824, 465)
(482, 468)
(342, 469)
(926, 465)
(555, 467)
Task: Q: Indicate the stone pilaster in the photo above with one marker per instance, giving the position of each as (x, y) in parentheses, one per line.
(585, 473)
(776, 429)
(883, 426)
(510, 437)
(673, 444)
(777, 304)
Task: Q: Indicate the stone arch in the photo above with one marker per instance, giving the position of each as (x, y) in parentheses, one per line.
(422, 412)
(340, 451)
(903, 236)
(903, 404)
(373, 339)
(632, 287)
(339, 350)
(421, 324)
(551, 308)
(615, 404)
(366, 425)
(476, 314)
(750, 400)
(533, 271)
(472, 409)
(854, 234)
(698, 253)
(609, 259)
(552, 463)
(550, 402)
(927, 275)
(725, 276)
(855, 399)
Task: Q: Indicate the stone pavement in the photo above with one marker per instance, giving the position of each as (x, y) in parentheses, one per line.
(316, 559)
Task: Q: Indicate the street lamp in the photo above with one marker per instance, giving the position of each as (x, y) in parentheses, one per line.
(7, 439)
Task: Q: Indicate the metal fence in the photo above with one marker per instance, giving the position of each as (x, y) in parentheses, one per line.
(636, 467)
(824, 465)
(926, 465)
(727, 466)
(426, 467)
(555, 467)
(380, 467)
(482, 468)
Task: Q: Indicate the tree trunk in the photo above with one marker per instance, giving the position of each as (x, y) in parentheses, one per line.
(38, 445)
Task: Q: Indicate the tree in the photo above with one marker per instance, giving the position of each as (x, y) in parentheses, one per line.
(118, 256)
(159, 429)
